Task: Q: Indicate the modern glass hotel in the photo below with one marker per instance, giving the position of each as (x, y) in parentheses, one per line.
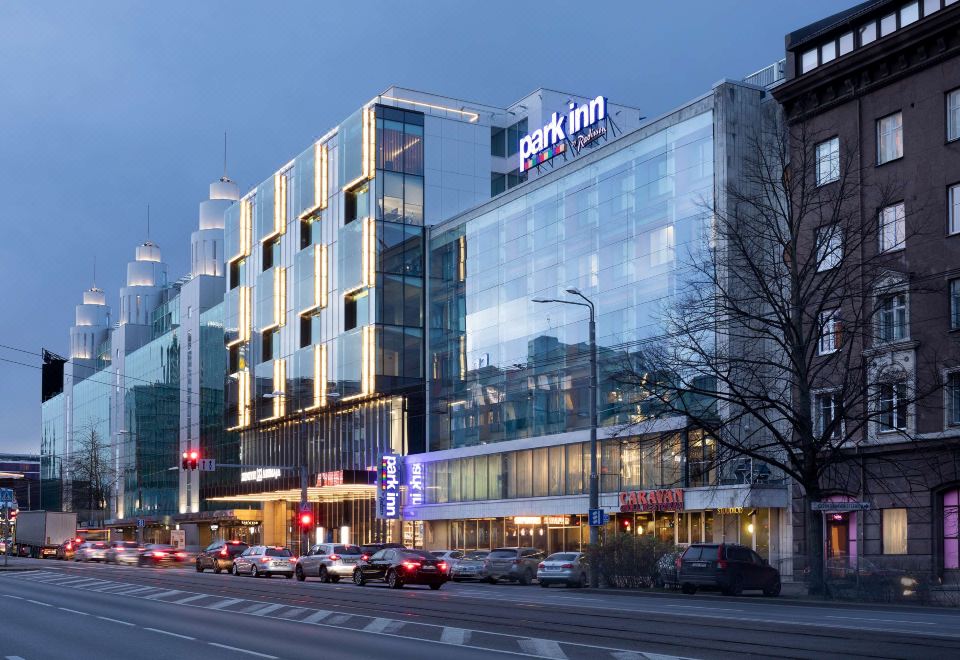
(507, 461)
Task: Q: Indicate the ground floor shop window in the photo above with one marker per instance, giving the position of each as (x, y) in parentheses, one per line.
(951, 529)
(894, 531)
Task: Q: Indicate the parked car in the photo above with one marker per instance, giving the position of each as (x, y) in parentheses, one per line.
(873, 582)
(123, 552)
(398, 567)
(264, 561)
(569, 568)
(728, 567)
(329, 562)
(160, 554)
(66, 550)
(667, 571)
(219, 555)
(369, 549)
(91, 551)
(514, 564)
(451, 557)
(469, 567)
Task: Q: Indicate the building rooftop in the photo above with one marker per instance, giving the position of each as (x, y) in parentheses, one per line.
(814, 30)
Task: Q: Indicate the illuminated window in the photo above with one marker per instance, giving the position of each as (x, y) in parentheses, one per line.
(889, 138)
(894, 531)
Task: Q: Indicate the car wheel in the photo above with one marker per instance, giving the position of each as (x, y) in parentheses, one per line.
(254, 571)
(324, 576)
(199, 567)
(689, 589)
(436, 585)
(358, 578)
(773, 589)
(394, 580)
(526, 578)
(234, 570)
(300, 576)
(217, 568)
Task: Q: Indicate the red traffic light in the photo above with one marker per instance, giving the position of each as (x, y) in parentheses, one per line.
(190, 460)
(306, 519)
(194, 455)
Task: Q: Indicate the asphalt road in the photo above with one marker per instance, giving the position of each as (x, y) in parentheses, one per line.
(59, 609)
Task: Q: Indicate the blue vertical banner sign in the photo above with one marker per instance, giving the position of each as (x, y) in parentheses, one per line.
(388, 487)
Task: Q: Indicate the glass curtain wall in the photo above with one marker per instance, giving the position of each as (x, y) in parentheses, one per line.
(623, 230)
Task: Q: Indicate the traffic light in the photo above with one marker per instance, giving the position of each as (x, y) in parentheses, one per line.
(190, 460)
(306, 520)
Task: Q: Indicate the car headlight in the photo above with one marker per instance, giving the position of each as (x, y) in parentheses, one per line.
(908, 581)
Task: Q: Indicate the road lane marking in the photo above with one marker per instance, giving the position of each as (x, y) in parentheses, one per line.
(12, 596)
(224, 603)
(456, 636)
(190, 599)
(293, 612)
(106, 618)
(67, 609)
(631, 655)
(14, 657)
(234, 648)
(901, 621)
(546, 648)
(37, 602)
(317, 616)
(378, 625)
(164, 594)
(259, 609)
(172, 634)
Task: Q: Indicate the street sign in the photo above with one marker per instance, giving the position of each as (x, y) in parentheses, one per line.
(839, 507)
(208, 464)
(597, 517)
(6, 494)
(140, 522)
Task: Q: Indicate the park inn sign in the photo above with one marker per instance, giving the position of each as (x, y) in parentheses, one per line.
(580, 127)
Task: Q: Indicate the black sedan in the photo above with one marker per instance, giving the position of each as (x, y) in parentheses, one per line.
(398, 567)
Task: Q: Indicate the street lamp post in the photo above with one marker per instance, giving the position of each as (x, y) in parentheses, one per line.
(594, 478)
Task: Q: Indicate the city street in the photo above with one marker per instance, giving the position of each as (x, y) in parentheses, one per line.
(56, 608)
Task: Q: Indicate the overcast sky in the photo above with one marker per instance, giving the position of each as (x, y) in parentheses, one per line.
(106, 107)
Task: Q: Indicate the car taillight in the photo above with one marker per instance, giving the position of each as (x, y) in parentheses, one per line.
(264, 559)
(224, 553)
(411, 565)
(181, 554)
(721, 564)
(442, 565)
(364, 557)
(334, 557)
(69, 546)
(678, 562)
(541, 565)
(159, 554)
(567, 566)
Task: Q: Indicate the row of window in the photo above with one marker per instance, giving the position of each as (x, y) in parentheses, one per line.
(868, 32)
(889, 130)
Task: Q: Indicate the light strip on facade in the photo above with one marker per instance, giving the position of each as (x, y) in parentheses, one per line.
(319, 375)
(279, 296)
(369, 148)
(279, 206)
(279, 385)
(243, 316)
(320, 180)
(471, 116)
(462, 259)
(243, 399)
(245, 229)
(369, 255)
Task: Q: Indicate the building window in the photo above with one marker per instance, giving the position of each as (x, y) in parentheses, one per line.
(830, 328)
(953, 115)
(888, 24)
(271, 253)
(951, 391)
(829, 247)
(828, 161)
(889, 138)
(893, 407)
(868, 33)
(953, 209)
(892, 318)
(930, 6)
(306, 328)
(909, 14)
(828, 52)
(809, 61)
(498, 142)
(827, 410)
(892, 228)
(846, 43)
(268, 345)
(955, 304)
(894, 531)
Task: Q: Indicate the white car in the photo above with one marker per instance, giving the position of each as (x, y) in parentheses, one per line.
(91, 551)
(449, 556)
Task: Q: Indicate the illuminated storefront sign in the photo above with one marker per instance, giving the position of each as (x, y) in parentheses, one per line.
(416, 488)
(388, 487)
(334, 478)
(260, 474)
(542, 520)
(666, 499)
(578, 127)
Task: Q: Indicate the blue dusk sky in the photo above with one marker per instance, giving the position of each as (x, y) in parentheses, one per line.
(109, 106)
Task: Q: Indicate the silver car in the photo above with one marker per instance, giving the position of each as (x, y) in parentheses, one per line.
(569, 568)
(265, 561)
(123, 552)
(451, 557)
(470, 566)
(329, 562)
(91, 551)
(513, 564)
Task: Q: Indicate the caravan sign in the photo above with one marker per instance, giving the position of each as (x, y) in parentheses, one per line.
(579, 126)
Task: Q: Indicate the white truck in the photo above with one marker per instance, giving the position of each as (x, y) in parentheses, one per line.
(40, 532)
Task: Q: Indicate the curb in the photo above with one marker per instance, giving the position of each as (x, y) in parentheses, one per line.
(802, 601)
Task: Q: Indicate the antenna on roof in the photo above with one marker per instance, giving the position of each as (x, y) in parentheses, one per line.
(148, 222)
(94, 271)
(224, 177)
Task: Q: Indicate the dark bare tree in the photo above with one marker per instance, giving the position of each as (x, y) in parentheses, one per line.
(92, 475)
(772, 340)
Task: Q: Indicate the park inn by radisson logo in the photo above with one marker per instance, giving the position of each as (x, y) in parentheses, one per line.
(579, 126)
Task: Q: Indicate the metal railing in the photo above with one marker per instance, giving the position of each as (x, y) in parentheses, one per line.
(768, 76)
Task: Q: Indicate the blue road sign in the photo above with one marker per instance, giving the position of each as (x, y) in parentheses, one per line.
(596, 517)
(140, 522)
